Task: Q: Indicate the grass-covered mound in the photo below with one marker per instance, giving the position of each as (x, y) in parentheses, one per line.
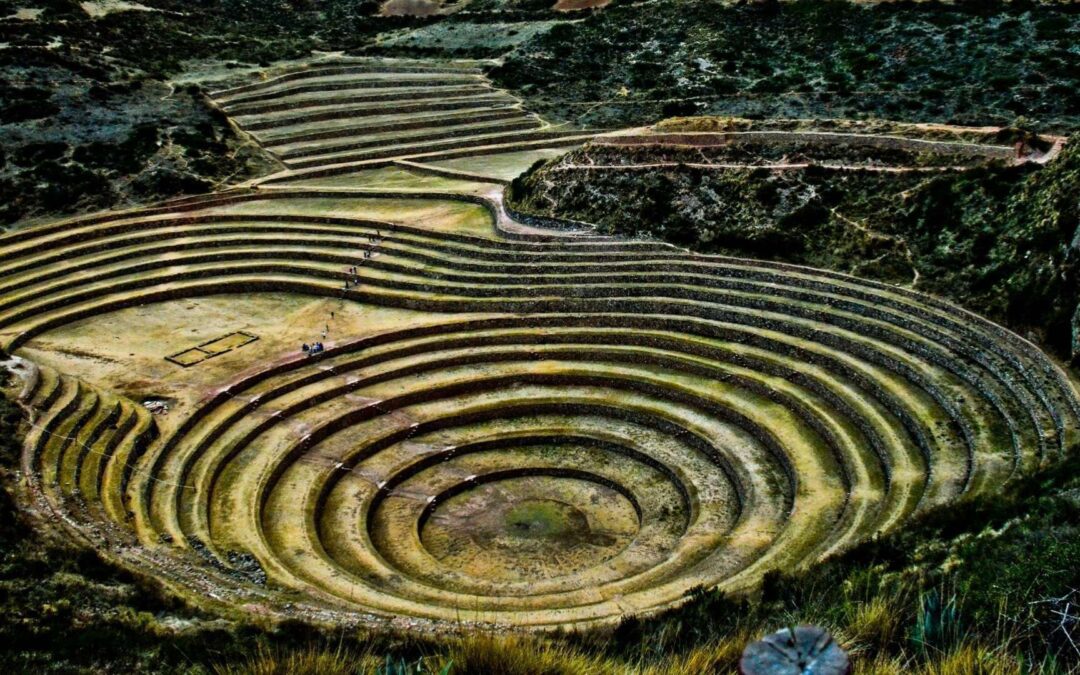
(972, 63)
(997, 239)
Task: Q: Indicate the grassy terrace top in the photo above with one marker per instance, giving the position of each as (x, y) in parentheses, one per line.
(990, 135)
(363, 373)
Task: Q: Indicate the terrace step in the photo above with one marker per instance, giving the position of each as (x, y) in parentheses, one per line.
(256, 123)
(425, 121)
(79, 446)
(325, 71)
(461, 142)
(333, 86)
(370, 140)
(320, 99)
(504, 284)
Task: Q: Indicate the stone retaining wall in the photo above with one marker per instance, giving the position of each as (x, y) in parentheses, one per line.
(719, 139)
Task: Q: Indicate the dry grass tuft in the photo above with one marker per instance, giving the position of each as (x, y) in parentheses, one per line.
(270, 661)
(972, 659)
(487, 654)
(870, 625)
(519, 655)
(716, 657)
(880, 665)
(965, 659)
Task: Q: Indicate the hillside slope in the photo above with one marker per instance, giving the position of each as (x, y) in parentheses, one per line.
(97, 110)
(1003, 241)
(972, 63)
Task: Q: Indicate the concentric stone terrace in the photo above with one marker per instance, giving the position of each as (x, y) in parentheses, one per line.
(529, 428)
(333, 117)
(581, 429)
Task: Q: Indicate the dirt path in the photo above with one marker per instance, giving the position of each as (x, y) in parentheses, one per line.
(782, 166)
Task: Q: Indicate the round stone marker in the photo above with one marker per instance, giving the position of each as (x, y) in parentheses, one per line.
(811, 651)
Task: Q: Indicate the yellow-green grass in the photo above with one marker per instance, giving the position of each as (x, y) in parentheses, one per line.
(126, 349)
(352, 91)
(412, 146)
(401, 136)
(337, 116)
(299, 135)
(290, 118)
(371, 69)
(395, 178)
(507, 166)
(490, 652)
(428, 214)
(244, 470)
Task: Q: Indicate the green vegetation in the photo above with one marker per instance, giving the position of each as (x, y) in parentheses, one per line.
(998, 240)
(324, 121)
(500, 387)
(64, 609)
(140, 144)
(996, 571)
(463, 38)
(971, 63)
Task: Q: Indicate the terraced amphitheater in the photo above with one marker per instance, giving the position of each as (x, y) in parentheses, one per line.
(338, 116)
(507, 423)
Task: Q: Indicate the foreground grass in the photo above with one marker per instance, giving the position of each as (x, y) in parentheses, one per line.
(524, 656)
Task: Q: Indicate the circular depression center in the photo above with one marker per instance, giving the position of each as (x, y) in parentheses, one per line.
(513, 529)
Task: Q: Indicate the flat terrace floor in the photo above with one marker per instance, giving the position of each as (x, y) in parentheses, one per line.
(125, 350)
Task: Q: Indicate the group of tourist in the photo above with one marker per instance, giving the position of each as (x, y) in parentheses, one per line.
(353, 281)
(312, 349)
